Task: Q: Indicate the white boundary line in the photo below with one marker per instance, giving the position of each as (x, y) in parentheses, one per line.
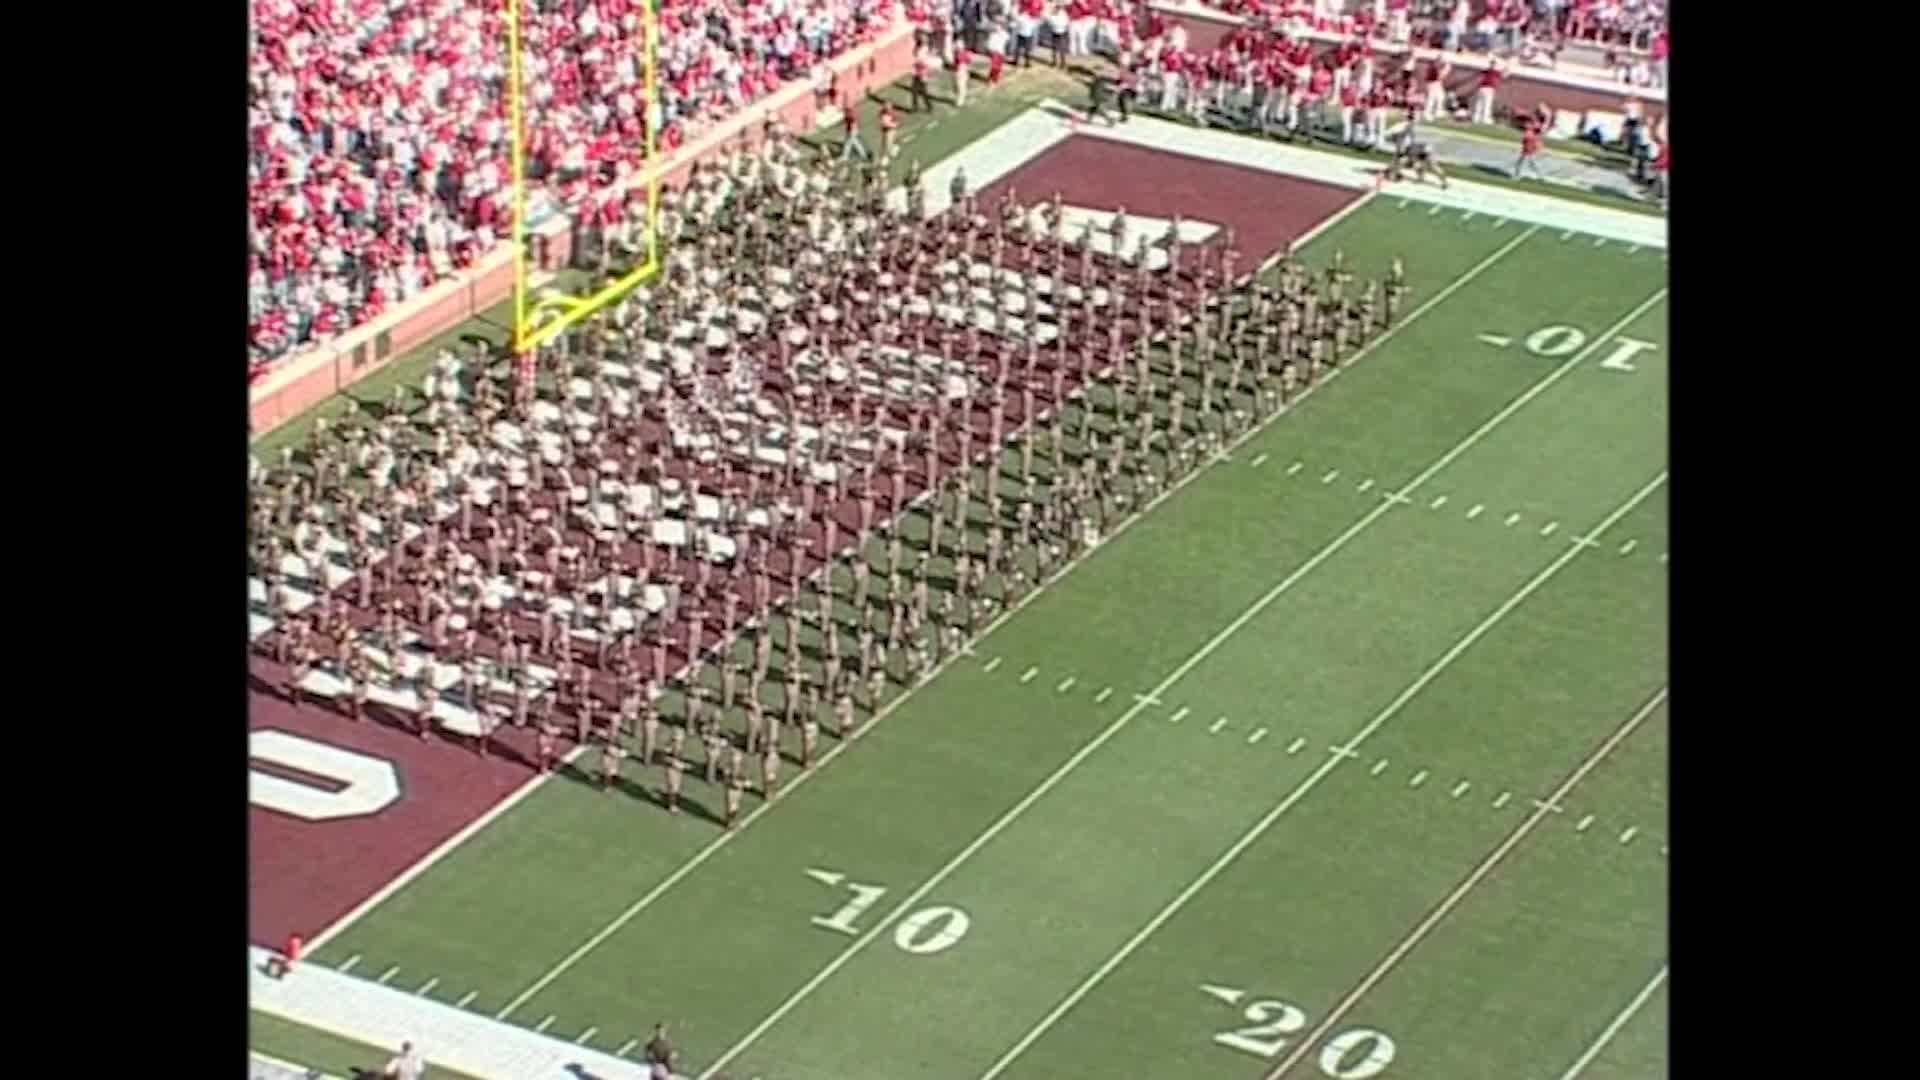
(297, 1070)
(1407, 944)
(1300, 791)
(1194, 661)
(720, 841)
(1619, 1022)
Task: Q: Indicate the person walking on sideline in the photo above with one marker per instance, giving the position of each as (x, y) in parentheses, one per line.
(1097, 101)
(1529, 153)
(889, 131)
(852, 147)
(922, 100)
(407, 1065)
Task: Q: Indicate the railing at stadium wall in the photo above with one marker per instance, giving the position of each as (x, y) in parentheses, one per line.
(1196, 15)
(293, 386)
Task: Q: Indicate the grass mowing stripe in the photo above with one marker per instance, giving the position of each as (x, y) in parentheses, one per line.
(1460, 891)
(1299, 792)
(705, 853)
(1619, 1022)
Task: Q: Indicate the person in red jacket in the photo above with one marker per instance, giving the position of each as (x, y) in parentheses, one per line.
(1529, 153)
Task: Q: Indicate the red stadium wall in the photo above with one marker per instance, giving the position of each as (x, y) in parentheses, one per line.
(1523, 89)
(296, 385)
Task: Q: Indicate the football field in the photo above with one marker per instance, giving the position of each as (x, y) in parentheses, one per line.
(1347, 758)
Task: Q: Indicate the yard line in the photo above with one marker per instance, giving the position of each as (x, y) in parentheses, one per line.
(1179, 714)
(992, 664)
(1294, 746)
(1619, 1022)
(1103, 695)
(348, 966)
(1214, 729)
(462, 1003)
(388, 974)
(428, 985)
(585, 1035)
(1418, 779)
(1065, 685)
(1460, 891)
(1153, 697)
(1027, 675)
(1260, 827)
(1257, 736)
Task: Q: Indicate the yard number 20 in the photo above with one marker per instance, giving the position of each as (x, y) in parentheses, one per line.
(923, 933)
(1355, 1054)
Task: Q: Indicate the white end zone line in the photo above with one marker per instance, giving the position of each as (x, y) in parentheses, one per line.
(1312, 1040)
(1312, 780)
(1619, 1022)
(1207, 650)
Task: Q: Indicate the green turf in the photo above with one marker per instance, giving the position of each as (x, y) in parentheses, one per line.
(1528, 969)
(297, 1044)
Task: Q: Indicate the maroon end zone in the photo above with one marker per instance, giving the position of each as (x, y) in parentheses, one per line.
(1269, 212)
(302, 876)
(305, 876)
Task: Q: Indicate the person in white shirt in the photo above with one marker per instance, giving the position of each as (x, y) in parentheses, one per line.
(408, 1065)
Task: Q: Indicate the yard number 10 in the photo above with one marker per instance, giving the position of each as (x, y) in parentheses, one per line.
(923, 933)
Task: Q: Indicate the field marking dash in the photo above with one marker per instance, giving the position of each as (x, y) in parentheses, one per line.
(1148, 699)
(428, 985)
(1330, 477)
(1663, 558)
(1366, 485)
(1634, 250)
(1294, 746)
(1258, 734)
(1512, 520)
(1475, 512)
(1663, 849)
(585, 1035)
(1502, 800)
(1295, 467)
(1179, 714)
(1619, 1022)
(992, 664)
(1342, 751)
(1378, 767)
(1632, 831)
(1460, 789)
(626, 1048)
(1259, 460)
(1418, 779)
(1585, 824)
(1565, 236)
(390, 973)
(1436, 209)
(1627, 548)
(1403, 204)
(1466, 217)
(1501, 224)
(348, 966)
(1547, 529)
(544, 1024)
(1548, 804)
(1214, 728)
(1027, 675)
(1438, 502)
(462, 1003)
(1065, 685)
(1103, 695)
(1599, 241)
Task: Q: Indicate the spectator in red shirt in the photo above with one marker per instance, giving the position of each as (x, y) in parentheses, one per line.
(852, 147)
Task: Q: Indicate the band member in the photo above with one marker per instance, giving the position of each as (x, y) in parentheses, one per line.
(610, 763)
(547, 747)
(676, 776)
(715, 743)
(809, 737)
(736, 786)
(769, 772)
(297, 672)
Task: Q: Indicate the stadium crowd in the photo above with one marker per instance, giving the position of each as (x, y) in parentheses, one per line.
(378, 129)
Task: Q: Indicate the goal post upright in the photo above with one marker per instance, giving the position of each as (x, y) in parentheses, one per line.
(536, 323)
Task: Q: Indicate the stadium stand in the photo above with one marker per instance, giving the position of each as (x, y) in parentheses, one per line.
(378, 130)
